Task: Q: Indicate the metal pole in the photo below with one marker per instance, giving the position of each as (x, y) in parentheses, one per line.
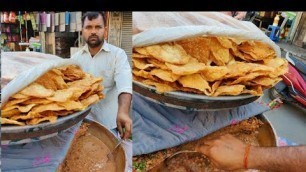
(26, 26)
(79, 39)
(20, 18)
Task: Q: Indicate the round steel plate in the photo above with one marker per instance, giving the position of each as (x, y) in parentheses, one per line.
(12, 134)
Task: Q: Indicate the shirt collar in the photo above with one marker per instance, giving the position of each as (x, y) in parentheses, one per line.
(104, 47)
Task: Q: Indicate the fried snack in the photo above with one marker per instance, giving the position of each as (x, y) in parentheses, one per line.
(142, 51)
(165, 75)
(219, 54)
(257, 50)
(71, 73)
(198, 48)
(34, 121)
(160, 87)
(14, 102)
(19, 96)
(265, 81)
(280, 66)
(208, 65)
(169, 53)
(136, 55)
(52, 80)
(10, 121)
(10, 113)
(25, 108)
(158, 64)
(36, 101)
(192, 67)
(141, 64)
(247, 77)
(195, 81)
(214, 73)
(229, 90)
(59, 92)
(142, 74)
(37, 90)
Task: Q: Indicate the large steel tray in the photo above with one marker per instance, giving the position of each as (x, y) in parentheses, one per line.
(188, 101)
(12, 134)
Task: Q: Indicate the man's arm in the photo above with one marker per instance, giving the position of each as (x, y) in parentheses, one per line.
(123, 117)
(278, 158)
(123, 78)
(228, 153)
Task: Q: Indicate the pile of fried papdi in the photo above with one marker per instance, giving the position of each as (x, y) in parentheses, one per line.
(59, 92)
(211, 66)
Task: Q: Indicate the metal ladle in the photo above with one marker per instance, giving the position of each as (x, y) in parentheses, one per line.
(110, 155)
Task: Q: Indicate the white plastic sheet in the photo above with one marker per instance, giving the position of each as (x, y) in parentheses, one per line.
(156, 27)
(22, 68)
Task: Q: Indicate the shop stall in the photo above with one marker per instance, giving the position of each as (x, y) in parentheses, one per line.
(45, 96)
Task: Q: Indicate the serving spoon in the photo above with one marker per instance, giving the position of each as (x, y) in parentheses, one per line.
(110, 155)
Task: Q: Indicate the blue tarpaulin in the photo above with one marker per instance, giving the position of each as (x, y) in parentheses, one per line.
(44, 155)
(157, 127)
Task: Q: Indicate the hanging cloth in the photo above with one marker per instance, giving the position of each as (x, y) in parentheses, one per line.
(56, 22)
(62, 22)
(52, 21)
(43, 18)
(37, 21)
(32, 18)
(12, 17)
(6, 17)
(67, 20)
(48, 22)
(72, 21)
(78, 21)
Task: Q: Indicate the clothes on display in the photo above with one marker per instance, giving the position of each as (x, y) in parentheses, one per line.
(20, 26)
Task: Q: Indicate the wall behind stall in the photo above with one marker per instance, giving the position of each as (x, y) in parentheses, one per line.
(120, 31)
(299, 38)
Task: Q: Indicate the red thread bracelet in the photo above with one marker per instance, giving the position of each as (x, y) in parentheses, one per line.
(246, 155)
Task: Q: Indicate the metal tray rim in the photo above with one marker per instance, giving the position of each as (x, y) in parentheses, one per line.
(17, 129)
(182, 95)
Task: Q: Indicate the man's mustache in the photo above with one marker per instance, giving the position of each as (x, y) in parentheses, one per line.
(93, 36)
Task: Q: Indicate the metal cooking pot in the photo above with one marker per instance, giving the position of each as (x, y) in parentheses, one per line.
(266, 137)
(110, 140)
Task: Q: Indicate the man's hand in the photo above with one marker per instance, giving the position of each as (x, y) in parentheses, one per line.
(225, 153)
(124, 121)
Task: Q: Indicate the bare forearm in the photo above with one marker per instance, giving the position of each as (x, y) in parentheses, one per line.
(124, 102)
(278, 158)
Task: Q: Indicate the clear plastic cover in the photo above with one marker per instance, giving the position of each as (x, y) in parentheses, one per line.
(156, 27)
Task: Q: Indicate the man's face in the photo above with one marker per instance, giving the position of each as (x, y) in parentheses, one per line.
(93, 31)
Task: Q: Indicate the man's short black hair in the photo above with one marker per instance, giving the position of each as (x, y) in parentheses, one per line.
(93, 15)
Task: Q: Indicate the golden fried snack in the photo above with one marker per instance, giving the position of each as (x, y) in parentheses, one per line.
(209, 65)
(172, 53)
(192, 67)
(59, 92)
